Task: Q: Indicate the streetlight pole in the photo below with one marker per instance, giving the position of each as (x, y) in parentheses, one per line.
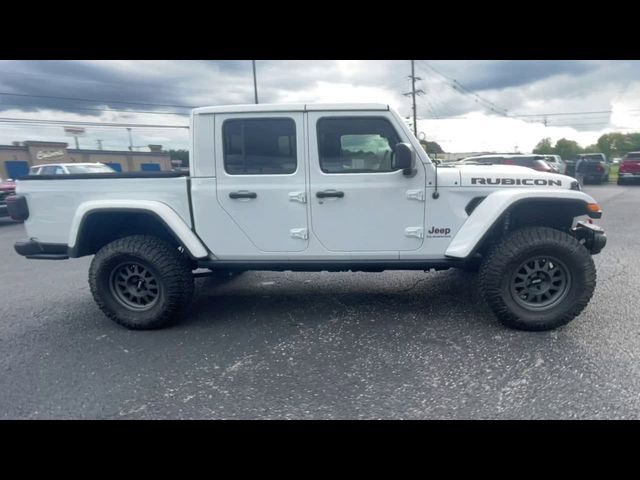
(130, 139)
(255, 82)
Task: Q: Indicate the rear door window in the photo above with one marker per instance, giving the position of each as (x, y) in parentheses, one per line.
(259, 146)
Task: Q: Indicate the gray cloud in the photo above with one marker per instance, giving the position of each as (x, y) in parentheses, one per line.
(520, 86)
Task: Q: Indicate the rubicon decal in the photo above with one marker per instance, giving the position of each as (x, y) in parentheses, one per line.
(516, 181)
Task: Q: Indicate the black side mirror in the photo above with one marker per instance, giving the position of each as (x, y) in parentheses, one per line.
(404, 158)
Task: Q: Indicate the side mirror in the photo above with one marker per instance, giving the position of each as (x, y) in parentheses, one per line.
(404, 158)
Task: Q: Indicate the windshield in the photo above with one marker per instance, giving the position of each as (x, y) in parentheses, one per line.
(593, 158)
(89, 169)
(481, 160)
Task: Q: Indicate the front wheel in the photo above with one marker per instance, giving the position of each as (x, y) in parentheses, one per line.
(538, 278)
(141, 282)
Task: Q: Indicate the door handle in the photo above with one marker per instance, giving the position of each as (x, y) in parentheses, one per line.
(243, 195)
(330, 193)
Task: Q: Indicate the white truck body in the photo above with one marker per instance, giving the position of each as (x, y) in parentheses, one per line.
(315, 187)
(385, 216)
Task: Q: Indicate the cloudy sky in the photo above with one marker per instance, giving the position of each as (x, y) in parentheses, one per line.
(468, 105)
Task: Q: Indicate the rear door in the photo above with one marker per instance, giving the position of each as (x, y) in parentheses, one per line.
(261, 177)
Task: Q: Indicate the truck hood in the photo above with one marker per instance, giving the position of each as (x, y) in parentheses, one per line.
(510, 176)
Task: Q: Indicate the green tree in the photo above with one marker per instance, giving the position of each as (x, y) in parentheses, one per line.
(567, 149)
(544, 147)
(431, 147)
(613, 144)
(592, 149)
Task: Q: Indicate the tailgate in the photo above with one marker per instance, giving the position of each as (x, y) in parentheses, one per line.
(630, 166)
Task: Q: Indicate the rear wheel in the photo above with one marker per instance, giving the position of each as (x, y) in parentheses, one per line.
(141, 282)
(621, 181)
(538, 278)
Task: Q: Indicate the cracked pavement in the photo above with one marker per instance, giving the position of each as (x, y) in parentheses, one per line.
(322, 345)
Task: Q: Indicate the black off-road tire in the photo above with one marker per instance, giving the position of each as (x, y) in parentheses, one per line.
(472, 265)
(499, 267)
(170, 268)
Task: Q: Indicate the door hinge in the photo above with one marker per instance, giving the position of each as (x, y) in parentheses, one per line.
(416, 195)
(300, 233)
(417, 232)
(298, 197)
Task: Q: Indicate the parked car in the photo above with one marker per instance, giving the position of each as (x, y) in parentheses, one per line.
(316, 188)
(536, 162)
(629, 168)
(7, 188)
(596, 167)
(70, 169)
(557, 163)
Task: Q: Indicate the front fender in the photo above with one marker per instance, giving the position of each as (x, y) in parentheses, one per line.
(492, 208)
(165, 213)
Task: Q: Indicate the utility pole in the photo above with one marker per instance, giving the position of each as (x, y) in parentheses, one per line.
(77, 144)
(413, 94)
(130, 140)
(255, 82)
(99, 144)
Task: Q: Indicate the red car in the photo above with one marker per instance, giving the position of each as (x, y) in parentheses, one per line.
(629, 168)
(7, 188)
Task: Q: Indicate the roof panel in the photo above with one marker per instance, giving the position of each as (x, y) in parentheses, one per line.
(295, 107)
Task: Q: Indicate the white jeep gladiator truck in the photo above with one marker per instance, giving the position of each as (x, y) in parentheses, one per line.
(315, 188)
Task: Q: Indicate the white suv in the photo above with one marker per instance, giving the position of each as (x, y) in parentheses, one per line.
(70, 169)
(556, 162)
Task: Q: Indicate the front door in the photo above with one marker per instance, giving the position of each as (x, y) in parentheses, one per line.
(261, 181)
(359, 202)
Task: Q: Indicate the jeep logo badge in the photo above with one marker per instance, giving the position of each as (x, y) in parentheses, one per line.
(439, 232)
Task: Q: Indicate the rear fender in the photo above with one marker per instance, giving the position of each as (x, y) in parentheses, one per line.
(162, 211)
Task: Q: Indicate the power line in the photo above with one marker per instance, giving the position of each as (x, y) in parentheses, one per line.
(33, 121)
(93, 100)
(464, 90)
(155, 112)
(90, 129)
(146, 85)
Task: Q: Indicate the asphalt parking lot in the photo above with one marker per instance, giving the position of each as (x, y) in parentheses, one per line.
(322, 345)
